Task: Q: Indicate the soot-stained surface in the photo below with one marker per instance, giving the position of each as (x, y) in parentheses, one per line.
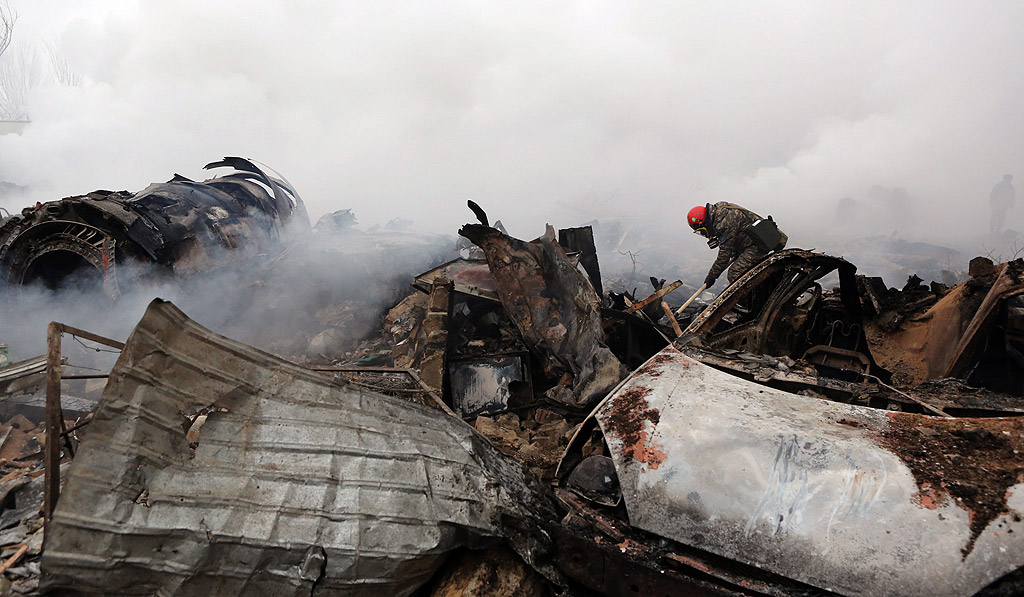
(974, 462)
(653, 366)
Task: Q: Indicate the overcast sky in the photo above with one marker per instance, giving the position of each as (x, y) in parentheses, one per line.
(540, 111)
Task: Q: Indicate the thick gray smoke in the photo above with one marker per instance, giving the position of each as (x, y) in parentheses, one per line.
(338, 282)
(604, 108)
(544, 112)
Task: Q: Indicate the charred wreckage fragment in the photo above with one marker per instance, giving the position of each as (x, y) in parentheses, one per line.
(180, 226)
(807, 432)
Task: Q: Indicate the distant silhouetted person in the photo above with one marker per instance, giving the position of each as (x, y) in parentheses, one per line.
(1002, 199)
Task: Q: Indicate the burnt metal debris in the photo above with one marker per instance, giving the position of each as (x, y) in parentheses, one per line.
(556, 310)
(809, 431)
(180, 225)
(307, 485)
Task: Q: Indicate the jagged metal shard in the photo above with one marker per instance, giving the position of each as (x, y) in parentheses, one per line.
(180, 225)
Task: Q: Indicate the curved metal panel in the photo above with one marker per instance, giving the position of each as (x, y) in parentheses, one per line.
(807, 488)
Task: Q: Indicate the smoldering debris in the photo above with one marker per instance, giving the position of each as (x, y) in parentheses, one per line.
(555, 309)
(511, 413)
(180, 225)
(307, 483)
(235, 251)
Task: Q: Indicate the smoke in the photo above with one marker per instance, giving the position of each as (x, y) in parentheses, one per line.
(409, 107)
(542, 112)
(338, 282)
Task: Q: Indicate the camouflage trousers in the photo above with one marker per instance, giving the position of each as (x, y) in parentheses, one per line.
(747, 259)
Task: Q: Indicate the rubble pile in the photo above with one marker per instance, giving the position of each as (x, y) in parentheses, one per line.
(536, 438)
(21, 495)
(513, 424)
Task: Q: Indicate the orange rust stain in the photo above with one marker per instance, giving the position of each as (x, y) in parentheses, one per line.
(927, 497)
(627, 419)
(645, 451)
(692, 563)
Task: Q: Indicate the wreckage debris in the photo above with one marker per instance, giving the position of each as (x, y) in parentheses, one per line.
(308, 483)
(22, 441)
(555, 309)
(782, 445)
(180, 226)
(812, 490)
(972, 331)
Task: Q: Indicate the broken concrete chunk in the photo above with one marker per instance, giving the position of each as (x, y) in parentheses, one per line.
(543, 415)
(551, 434)
(435, 327)
(403, 318)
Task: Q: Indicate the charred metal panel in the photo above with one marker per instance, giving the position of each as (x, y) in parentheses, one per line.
(482, 386)
(787, 273)
(779, 308)
(965, 332)
(298, 485)
(555, 309)
(582, 239)
(180, 225)
(842, 497)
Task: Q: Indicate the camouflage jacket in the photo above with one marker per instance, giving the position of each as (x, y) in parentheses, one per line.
(729, 222)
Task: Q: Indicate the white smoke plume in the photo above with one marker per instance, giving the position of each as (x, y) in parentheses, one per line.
(544, 112)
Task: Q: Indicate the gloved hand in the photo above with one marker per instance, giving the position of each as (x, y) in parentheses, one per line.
(709, 282)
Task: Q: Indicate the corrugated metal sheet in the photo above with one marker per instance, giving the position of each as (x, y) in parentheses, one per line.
(303, 486)
(794, 485)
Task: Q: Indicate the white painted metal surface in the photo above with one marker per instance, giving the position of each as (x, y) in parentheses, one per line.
(794, 485)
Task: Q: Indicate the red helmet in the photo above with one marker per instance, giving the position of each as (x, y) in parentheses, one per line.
(696, 217)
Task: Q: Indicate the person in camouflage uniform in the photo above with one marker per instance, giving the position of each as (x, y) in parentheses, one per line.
(728, 226)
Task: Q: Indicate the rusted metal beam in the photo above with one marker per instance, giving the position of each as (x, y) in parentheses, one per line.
(424, 388)
(595, 518)
(14, 559)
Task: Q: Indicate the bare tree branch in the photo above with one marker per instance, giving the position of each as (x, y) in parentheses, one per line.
(19, 68)
(20, 71)
(59, 67)
(7, 19)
